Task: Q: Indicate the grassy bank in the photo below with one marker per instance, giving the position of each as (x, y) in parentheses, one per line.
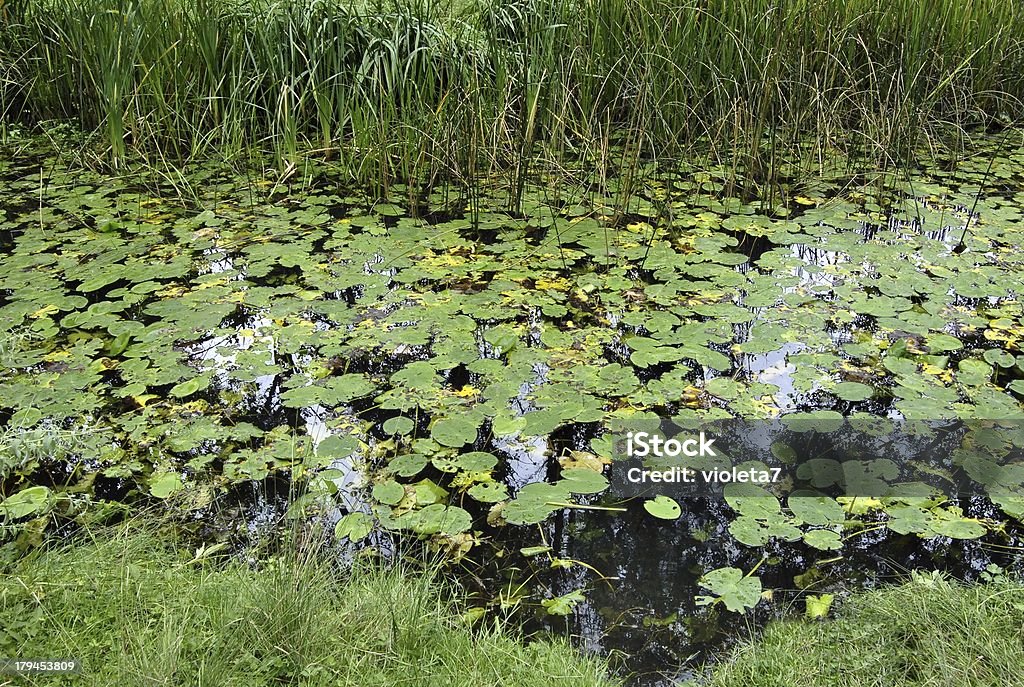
(420, 90)
(927, 632)
(138, 612)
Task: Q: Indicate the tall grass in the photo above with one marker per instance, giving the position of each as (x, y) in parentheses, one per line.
(138, 611)
(928, 632)
(417, 90)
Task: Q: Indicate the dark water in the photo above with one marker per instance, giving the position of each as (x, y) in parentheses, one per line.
(646, 618)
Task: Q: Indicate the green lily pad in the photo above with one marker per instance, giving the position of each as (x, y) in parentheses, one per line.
(583, 481)
(337, 446)
(817, 606)
(826, 540)
(408, 464)
(389, 492)
(26, 502)
(354, 526)
(398, 425)
(440, 519)
(563, 605)
(663, 507)
(488, 492)
(428, 492)
(730, 587)
(476, 461)
(816, 509)
(853, 391)
(749, 531)
(940, 343)
(164, 484)
(997, 356)
(454, 431)
(189, 387)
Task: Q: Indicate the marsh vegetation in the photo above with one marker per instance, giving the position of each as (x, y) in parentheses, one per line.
(395, 272)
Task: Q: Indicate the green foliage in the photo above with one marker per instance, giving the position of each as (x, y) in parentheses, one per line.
(928, 631)
(663, 507)
(182, 351)
(732, 588)
(400, 91)
(202, 620)
(563, 605)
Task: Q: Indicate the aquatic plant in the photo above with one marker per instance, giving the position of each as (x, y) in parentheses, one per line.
(329, 338)
(417, 92)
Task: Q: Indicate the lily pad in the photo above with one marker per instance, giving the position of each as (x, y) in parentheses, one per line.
(488, 492)
(815, 509)
(563, 605)
(853, 391)
(663, 507)
(398, 425)
(389, 492)
(823, 539)
(164, 484)
(730, 587)
(454, 431)
(354, 526)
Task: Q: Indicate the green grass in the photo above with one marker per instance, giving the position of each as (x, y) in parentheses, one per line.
(138, 612)
(424, 90)
(929, 632)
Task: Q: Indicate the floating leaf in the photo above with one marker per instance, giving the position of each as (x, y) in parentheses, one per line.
(823, 539)
(398, 425)
(818, 606)
(26, 417)
(440, 519)
(815, 509)
(476, 461)
(663, 507)
(354, 526)
(428, 492)
(997, 356)
(408, 464)
(583, 481)
(973, 372)
(164, 484)
(750, 531)
(189, 387)
(949, 523)
(336, 446)
(940, 343)
(853, 391)
(389, 492)
(729, 586)
(26, 502)
(454, 431)
(488, 492)
(563, 605)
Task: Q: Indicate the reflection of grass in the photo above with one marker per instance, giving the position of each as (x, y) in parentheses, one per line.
(927, 632)
(138, 612)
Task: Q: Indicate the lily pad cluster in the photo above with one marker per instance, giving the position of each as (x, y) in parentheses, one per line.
(449, 356)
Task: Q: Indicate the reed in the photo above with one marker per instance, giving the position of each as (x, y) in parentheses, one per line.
(414, 91)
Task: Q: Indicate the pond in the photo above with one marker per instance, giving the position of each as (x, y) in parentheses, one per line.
(240, 346)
